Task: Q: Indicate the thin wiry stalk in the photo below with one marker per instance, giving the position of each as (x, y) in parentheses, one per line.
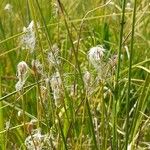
(120, 42)
(77, 66)
(62, 133)
(45, 26)
(103, 119)
(85, 18)
(117, 77)
(2, 32)
(129, 75)
(13, 93)
(91, 124)
(23, 112)
(73, 48)
(81, 132)
(2, 138)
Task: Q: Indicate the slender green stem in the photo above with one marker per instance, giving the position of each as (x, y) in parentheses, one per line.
(117, 78)
(120, 42)
(103, 119)
(45, 26)
(82, 122)
(62, 133)
(91, 124)
(129, 75)
(24, 110)
(71, 41)
(2, 138)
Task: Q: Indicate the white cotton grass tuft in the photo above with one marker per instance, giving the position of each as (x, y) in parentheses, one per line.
(28, 39)
(43, 93)
(95, 56)
(53, 56)
(22, 75)
(87, 79)
(56, 85)
(8, 7)
(19, 85)
(35, 140)
(37, 66)
(38, 141)
(22, 70)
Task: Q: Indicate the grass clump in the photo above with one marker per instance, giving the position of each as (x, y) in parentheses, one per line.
(74, 75)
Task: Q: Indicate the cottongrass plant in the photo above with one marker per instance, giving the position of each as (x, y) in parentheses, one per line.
(56, 85)
(54, 56)
(22, 75)
(74, 95)
(28, 39)
(37, 67)
(37, 141)
(95, 56)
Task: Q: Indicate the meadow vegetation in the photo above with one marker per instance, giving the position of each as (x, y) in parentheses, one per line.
(75, 74)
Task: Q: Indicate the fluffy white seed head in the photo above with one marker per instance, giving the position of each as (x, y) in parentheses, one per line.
(95, 56)
(56, 81)
(8, 7)
(96, 53)
(56, 85)
(30, 28)
(53, 56)
(87, 78)
(35, 141)
(22, 67)
(37, 66)
(19, 85)
(22, 70)
(28, 40)
(22, 75)
(44, 93)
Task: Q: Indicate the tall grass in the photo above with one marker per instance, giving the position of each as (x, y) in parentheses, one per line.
(129, 74)
(86, 83)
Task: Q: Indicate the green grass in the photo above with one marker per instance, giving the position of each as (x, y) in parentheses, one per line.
(109, 109)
